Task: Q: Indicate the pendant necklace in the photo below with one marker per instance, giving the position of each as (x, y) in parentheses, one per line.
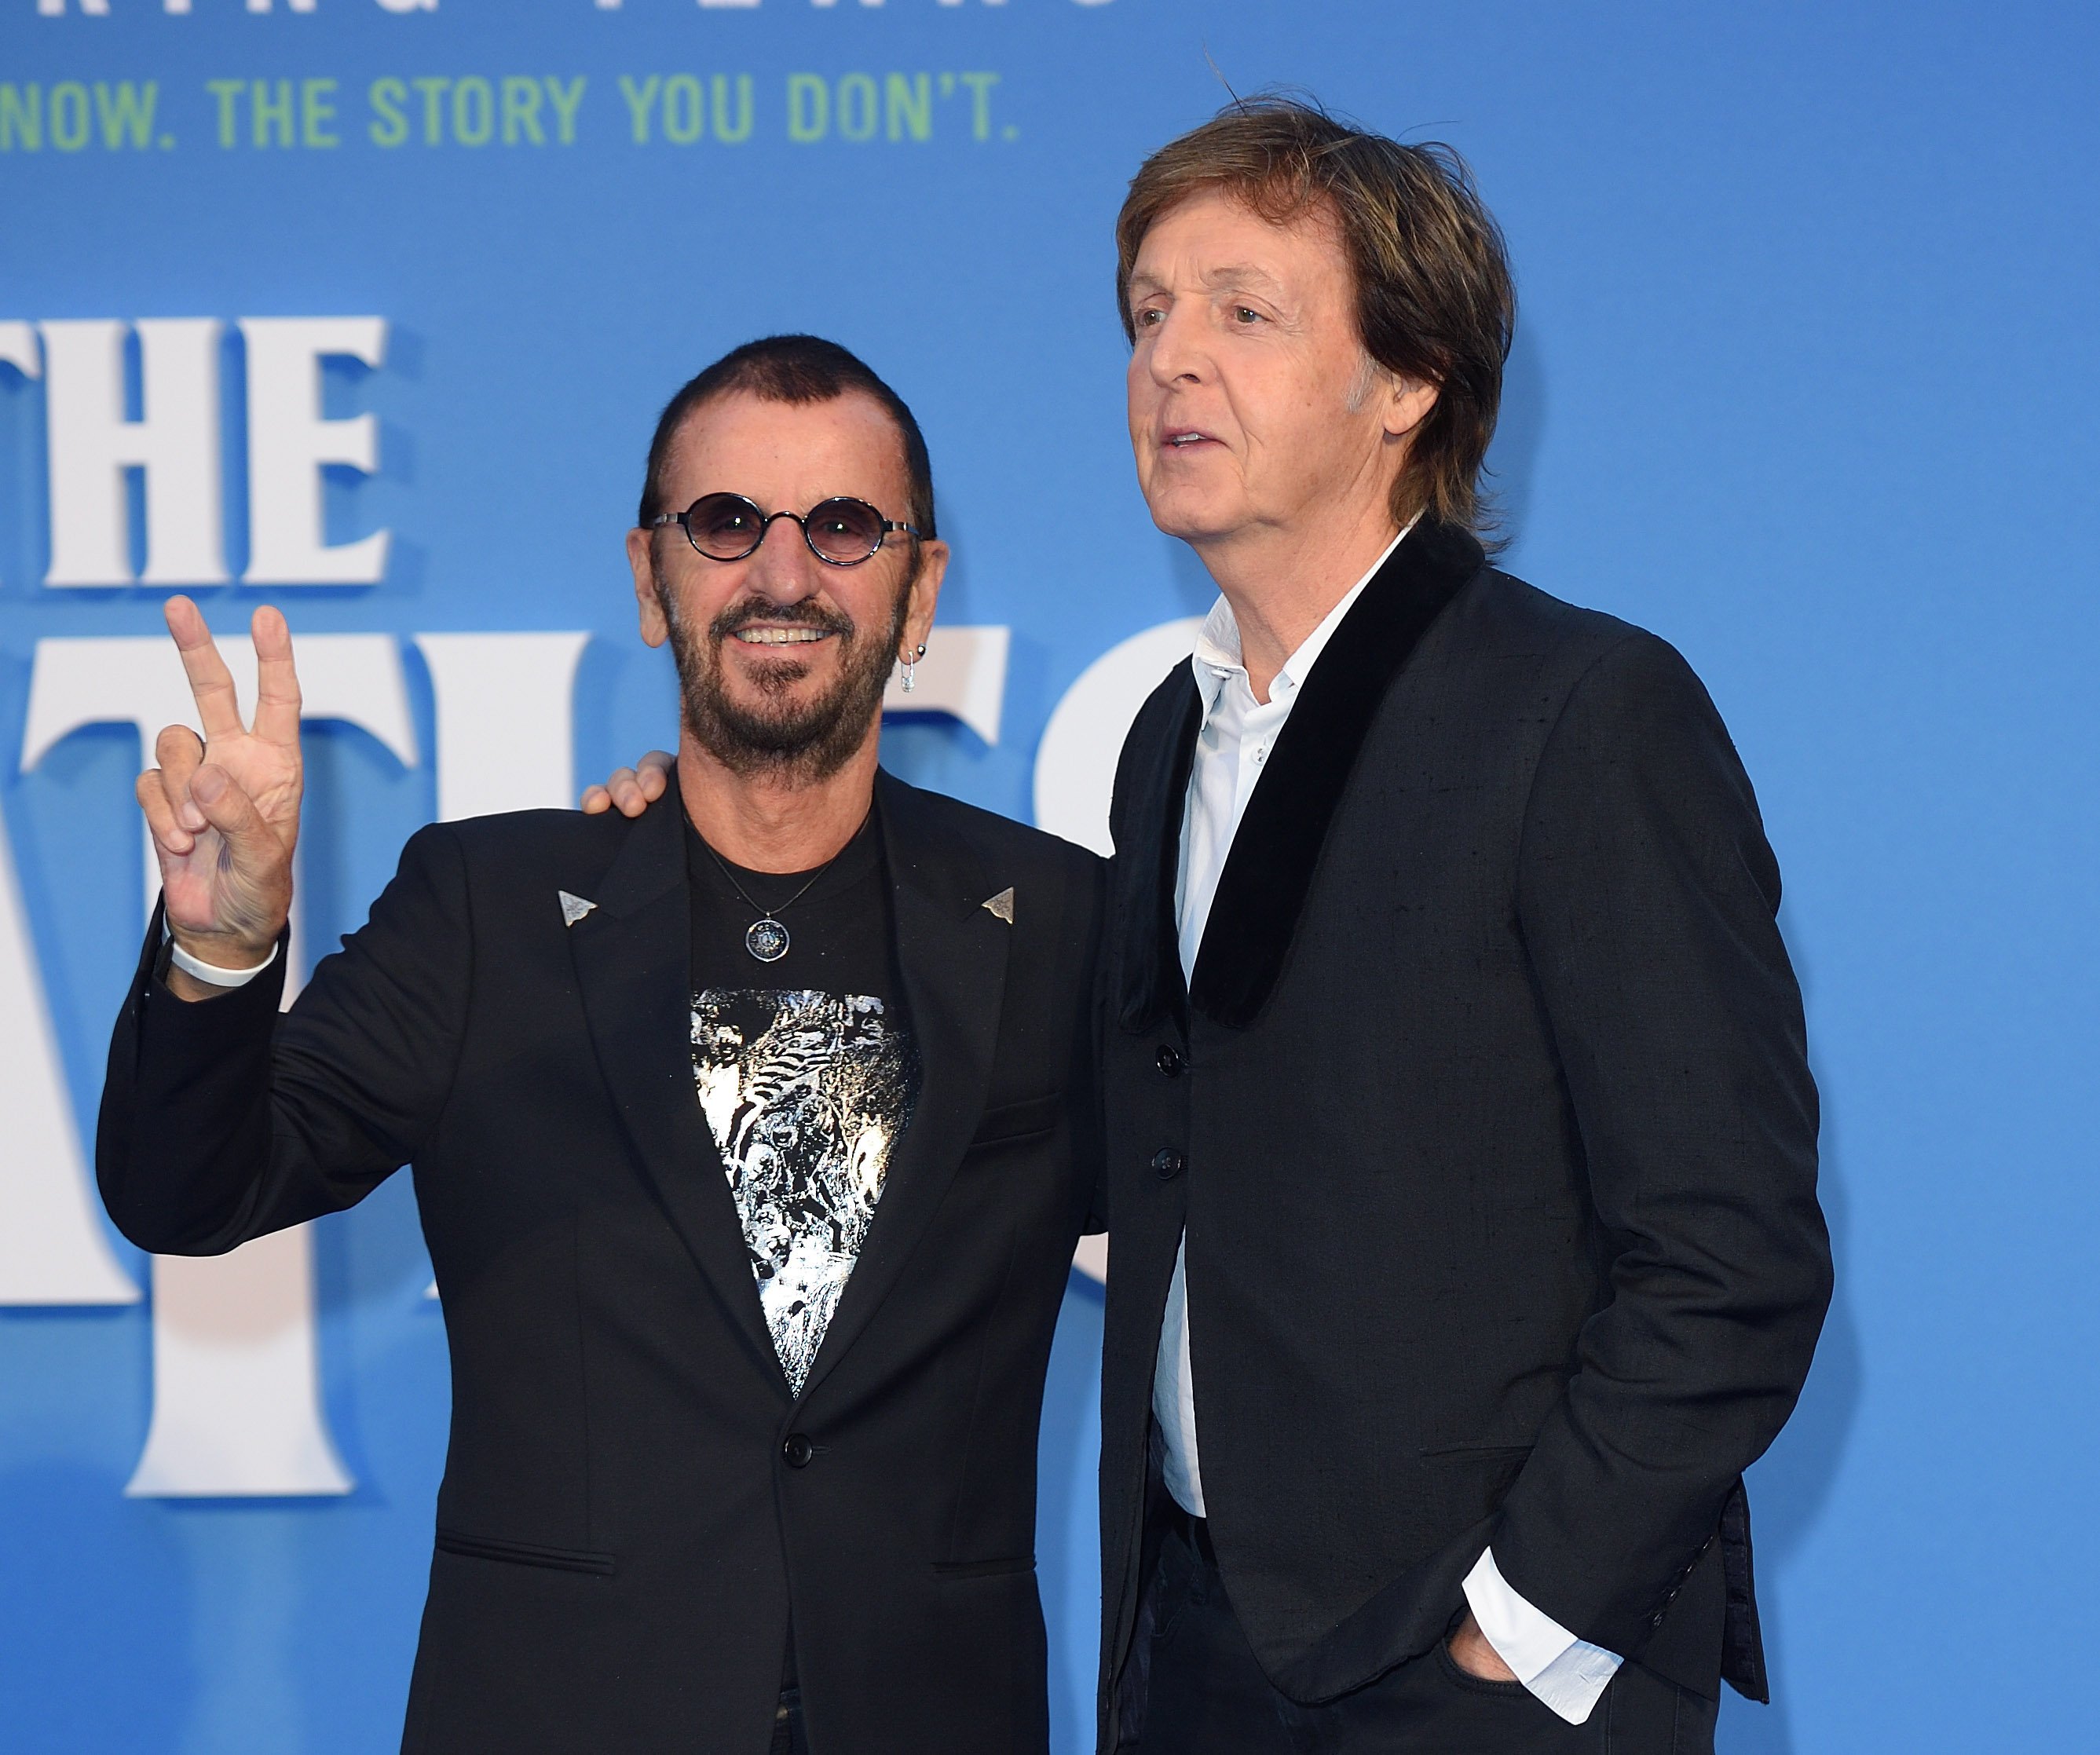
(766, 938)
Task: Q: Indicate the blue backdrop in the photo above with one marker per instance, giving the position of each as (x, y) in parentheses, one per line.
(1805, 381)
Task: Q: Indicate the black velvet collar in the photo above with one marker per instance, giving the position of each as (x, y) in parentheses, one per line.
(1147, 826)
(1268, 873)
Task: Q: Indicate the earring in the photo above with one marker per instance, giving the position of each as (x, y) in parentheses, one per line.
(911, 668)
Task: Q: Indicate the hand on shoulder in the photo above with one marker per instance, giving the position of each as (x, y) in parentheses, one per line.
(631, 791)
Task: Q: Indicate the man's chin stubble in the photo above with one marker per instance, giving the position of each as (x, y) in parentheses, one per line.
(795, 745)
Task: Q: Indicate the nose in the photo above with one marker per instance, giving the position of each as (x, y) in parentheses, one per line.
(781, 567)
(1176, 354)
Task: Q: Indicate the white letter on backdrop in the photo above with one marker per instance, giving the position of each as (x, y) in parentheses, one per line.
(52, 1247)
(236, 1379)
(18, 348)
(506, 723)
(1075, 763)
(289, 440)
(963, 674)
(506, 720)
(176, 442)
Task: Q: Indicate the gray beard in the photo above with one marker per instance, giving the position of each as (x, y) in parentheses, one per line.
(799, 743)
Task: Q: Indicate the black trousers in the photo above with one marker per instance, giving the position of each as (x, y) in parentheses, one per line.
(1207, 1695)
(788, 1738)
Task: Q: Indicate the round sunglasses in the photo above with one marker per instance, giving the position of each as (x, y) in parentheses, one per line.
(840, 532)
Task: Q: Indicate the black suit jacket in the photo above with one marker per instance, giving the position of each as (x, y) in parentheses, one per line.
(631, 1498)
(1487, 1115)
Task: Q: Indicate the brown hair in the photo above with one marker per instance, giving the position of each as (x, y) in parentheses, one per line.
(1434, 297)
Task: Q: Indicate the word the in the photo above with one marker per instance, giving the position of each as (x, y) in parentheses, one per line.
(174, 443)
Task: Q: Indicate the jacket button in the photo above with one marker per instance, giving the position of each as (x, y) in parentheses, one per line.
(1168, 1163)
(1655, 1620)
(797, 1450)
(1169, 1060)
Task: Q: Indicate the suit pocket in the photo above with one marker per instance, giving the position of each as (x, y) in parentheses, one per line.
(1475, 1452)
(1467, 1682)
(1019, 1121)
(524, 1554)
(984, 1569)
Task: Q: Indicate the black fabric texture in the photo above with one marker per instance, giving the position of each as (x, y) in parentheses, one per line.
(840, 941)
(788, 1736)
(840, 938)
(632, 1495)
(1500, 1203)
(1269, 870)
(1209, 1696)
(1152, 782)
(1743, 1652)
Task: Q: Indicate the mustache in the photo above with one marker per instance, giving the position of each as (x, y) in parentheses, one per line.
(809, 613)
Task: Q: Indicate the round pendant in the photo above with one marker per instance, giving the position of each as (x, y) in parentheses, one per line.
(766, 940)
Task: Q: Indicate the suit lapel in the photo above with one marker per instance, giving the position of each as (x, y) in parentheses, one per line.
(632, 955)
(951, 954)
(1147, 827)
(1268, 872)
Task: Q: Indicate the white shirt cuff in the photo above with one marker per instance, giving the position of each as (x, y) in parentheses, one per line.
(1566, 1673)
(209, 973)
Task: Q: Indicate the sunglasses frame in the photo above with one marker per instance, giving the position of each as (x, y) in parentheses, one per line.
(886, 528)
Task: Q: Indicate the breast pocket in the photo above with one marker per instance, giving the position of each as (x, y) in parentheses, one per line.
(469, 1547)
(1029, 1119)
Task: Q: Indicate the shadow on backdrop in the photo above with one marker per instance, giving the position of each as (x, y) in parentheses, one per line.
(1519, 432)
(1791, 1485)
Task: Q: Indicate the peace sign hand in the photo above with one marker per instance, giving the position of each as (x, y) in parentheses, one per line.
(224, 813)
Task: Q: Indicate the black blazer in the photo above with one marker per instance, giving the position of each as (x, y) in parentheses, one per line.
(1489, 1121)
(631, 1498)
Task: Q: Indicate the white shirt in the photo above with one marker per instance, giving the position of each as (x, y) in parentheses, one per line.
(1233, 748)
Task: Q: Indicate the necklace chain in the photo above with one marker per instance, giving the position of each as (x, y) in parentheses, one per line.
(744, 895)
(766, 938)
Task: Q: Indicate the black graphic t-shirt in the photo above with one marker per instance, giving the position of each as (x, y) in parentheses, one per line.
(806, 1072)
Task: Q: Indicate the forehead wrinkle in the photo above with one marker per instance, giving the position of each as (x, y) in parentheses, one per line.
(1246, 276)
(790, 452)
(1243, 274)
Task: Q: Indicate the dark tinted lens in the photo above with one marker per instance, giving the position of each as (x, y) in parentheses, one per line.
(725, 526)
(845, 529)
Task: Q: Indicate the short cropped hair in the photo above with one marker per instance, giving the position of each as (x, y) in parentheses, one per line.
(1434, 300)
(790, 369)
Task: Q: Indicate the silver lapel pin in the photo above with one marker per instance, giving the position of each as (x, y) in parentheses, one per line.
(1002, 905)
(574, 908)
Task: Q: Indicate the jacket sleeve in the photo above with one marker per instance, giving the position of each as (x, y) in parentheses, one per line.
(1647, 897)
(222, 1119)
(1089, 1061)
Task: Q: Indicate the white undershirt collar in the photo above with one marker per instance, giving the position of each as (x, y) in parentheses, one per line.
(1218, 653)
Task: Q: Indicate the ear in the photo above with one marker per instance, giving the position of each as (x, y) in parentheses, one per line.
(641, 558)
(925, 595)
(1408, 401)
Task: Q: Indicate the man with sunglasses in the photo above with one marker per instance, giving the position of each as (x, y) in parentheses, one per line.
(749, 1135)
(1461, 1139)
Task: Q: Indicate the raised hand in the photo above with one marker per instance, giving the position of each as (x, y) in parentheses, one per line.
(224, 813)
(631, 791)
